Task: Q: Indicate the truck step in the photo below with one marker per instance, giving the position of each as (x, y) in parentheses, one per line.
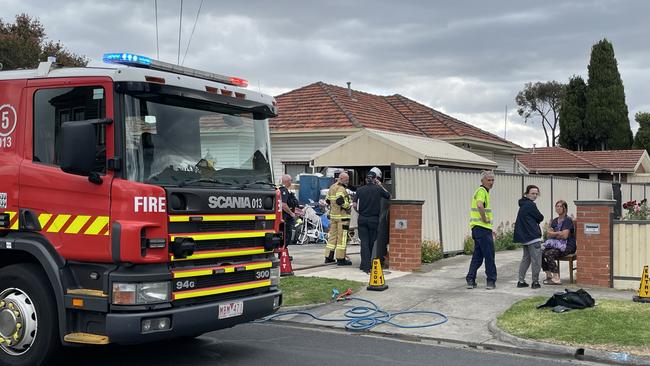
(86, 338)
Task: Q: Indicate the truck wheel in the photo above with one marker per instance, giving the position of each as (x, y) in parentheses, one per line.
(28, 317)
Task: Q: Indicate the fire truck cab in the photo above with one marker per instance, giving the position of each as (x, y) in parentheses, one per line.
(136, 204)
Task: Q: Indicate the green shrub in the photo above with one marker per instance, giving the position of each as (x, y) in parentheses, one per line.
(468, 247)
(504, 239)
(431, 251)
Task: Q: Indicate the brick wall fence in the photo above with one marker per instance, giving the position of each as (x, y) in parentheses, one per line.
(405, 235)
(594, 242)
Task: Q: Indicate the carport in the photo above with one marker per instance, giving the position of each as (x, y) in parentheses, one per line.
(370, 147)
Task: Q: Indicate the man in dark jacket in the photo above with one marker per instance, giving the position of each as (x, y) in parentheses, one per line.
(368, 201)
(529, 234)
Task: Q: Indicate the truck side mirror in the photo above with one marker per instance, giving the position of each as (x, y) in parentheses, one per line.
(79, 147)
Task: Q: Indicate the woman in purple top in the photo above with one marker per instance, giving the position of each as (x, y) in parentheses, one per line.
(561, 241)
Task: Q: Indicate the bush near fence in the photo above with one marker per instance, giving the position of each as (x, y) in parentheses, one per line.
(504, 240)
(431, 251)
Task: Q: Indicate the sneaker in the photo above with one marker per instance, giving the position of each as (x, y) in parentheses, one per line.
(535, 285)
(343, 262)
(329, 260)
(490, 286)
(523, 284)
(471, 285)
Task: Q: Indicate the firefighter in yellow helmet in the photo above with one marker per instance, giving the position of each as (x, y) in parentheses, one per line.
(340, 204)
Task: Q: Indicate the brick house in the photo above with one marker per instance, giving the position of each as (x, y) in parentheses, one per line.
(318, 115)
(616, 165)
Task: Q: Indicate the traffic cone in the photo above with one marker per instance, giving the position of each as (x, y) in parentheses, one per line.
(377, 282)
(285, 262)
(644, 288)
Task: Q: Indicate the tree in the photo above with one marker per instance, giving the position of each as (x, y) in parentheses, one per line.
(642, 138)
(542, 100)
(23, 45)
(573, 134)
(606, 115)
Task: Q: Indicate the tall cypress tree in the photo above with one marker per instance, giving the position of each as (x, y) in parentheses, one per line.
(642, 138)
(606, 115)
(573, 134)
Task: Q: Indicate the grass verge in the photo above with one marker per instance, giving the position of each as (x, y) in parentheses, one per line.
(313, 290)
(612, 325)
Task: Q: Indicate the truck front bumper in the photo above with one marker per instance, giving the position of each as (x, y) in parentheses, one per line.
(193, 320)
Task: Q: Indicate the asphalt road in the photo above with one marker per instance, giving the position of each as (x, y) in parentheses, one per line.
(276, 344)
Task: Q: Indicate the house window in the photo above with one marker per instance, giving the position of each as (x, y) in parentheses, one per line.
(53, 107)
(293, 168)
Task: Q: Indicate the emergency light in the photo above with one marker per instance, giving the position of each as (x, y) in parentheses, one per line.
(130, 59)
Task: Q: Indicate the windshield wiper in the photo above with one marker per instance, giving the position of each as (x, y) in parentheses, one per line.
(203, 180)
(259, 182)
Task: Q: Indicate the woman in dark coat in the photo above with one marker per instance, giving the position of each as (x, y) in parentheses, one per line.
(529, 234)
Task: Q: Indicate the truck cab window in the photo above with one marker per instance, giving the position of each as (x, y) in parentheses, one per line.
(52, 107)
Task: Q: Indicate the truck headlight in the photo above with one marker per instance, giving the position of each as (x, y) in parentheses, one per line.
(140, 293)
(275, 276)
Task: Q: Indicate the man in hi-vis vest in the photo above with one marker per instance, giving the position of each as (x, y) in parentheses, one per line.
(480, 223)
(339, 201)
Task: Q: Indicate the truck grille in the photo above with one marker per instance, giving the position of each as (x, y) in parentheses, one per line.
(221, 226)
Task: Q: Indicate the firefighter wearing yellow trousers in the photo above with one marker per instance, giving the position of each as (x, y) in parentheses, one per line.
(339, 201)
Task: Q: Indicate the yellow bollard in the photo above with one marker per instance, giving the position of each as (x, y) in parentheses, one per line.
(377, 282)
(644, 287)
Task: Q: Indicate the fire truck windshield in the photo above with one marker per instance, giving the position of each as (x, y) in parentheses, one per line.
(185, 143)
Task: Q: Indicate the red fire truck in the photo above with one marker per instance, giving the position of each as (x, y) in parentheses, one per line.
(136, 204)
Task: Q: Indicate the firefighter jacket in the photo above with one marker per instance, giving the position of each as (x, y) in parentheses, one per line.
(339, 201)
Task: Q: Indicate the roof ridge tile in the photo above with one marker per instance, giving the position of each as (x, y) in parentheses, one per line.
(347, 113)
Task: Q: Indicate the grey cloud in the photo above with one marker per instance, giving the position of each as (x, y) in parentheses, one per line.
(468, 58)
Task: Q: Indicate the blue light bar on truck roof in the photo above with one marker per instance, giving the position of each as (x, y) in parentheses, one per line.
(130, 59)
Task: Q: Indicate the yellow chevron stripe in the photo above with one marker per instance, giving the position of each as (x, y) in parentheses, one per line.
(77, 224)
(11, 217)
(229, 253)
(221, 290)
(44, 218)
(229, 269)
(208, 218)
(58, 223)
(97, 225)
(226, 235)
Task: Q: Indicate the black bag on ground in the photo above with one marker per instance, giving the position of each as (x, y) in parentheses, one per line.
(570, 299)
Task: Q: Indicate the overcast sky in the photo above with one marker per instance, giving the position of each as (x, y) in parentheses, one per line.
(465, 58)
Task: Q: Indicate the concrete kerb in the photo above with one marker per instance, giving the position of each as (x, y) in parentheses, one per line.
(579, 353)
(504, 348)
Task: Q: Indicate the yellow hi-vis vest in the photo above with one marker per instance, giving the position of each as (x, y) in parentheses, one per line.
(339, 212)
(481, 194)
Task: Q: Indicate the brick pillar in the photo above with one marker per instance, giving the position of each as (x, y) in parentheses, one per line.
(405, 235)
(594, 242)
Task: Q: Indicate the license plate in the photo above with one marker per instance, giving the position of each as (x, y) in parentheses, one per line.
(231, 309)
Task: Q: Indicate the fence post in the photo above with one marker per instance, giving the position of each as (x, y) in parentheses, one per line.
(599, 189)
(577, 189)
(439, 208)
(552, 206)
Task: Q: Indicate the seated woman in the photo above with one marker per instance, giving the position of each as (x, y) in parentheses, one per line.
(561, 241)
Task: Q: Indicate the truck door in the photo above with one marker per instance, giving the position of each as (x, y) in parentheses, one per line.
(73, 213)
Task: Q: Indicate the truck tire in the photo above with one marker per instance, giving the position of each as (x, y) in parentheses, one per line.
(28, 317)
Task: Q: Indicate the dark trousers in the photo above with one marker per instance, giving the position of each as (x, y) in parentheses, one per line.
(549, 258)
(289, 228)
(368, 234)
(483, 249)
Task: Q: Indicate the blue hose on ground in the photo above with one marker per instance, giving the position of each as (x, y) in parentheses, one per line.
(361, 318)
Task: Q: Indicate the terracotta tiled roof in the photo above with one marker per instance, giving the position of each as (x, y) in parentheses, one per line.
(614, 160)
(324, 106)
(558, 159)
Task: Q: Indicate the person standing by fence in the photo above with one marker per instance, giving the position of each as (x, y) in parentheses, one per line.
(529, 234)
(481, 225)
(368, 201)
